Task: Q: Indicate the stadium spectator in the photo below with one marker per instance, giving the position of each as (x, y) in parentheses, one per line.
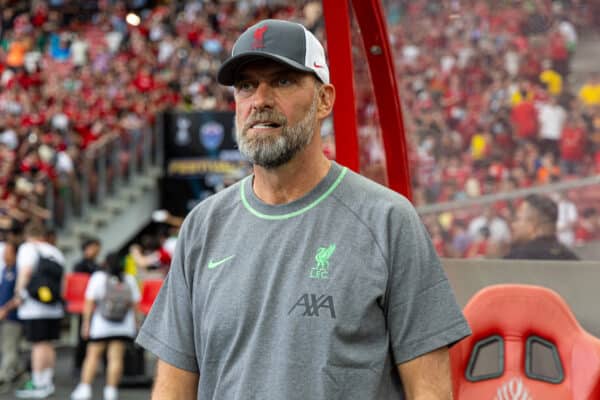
(566, 219)
(588, 226)
(589, 94)
(573, 140)
(41, 322)
(497, 230)
(104, 334)
(534, 231)
(479, 247)
(11, 367)
(90, 248)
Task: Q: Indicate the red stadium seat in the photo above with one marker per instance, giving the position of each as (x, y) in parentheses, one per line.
(526, 345)
(74, 295)
(150, 289)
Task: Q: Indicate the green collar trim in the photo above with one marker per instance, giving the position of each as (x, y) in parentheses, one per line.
(297, 212)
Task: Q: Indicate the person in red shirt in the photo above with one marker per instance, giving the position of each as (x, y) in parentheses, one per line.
(144, 82)
(524, 120)
(479, 247)
(587, 227)
(572, 144)
(559, 53)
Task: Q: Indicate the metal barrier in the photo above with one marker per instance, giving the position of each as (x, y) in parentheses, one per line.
(106, 167)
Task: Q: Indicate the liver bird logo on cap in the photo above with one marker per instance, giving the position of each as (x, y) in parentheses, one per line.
(259, 37)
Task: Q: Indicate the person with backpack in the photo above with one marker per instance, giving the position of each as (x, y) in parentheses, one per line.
(108, 324)
(37, 295)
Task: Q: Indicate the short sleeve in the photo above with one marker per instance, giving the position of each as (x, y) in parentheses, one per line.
(135, 289)
(94, 290)
(27, 256)
(422, 312)
(168, 330)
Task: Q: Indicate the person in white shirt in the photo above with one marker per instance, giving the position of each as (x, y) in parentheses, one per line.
(552, 117)
(567, 218)
(103, 334)
(41, 321)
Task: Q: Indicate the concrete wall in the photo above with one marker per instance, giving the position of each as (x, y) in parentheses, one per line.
(577, 282)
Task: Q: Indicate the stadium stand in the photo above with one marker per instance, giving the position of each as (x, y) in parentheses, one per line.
(479, 81)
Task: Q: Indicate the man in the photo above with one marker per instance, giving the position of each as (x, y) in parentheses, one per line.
(41, 322)
(10, 368)
(304, 280)
(534, 231)
(90, 247)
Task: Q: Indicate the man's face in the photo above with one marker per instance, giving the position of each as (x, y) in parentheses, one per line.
(523, 226)
(92, 250)
(276, 112)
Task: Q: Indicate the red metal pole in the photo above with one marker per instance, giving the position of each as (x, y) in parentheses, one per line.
(339, 49)
(371, 21)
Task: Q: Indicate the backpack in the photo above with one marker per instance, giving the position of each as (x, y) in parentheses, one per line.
(46, 280)
(117, 299)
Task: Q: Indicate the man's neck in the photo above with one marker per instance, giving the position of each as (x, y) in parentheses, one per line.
(292, 180)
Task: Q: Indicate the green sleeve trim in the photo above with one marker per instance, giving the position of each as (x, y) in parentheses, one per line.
(295, 213)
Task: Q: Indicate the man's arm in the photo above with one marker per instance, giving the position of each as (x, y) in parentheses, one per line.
(172, 383)
(427, 377)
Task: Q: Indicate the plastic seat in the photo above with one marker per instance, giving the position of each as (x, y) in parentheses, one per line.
(74, 294)
(150, 289)
(526, 345)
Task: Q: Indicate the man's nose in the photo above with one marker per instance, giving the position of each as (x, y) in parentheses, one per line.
(263, 96)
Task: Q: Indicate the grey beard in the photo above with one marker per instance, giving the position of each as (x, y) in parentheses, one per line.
(272, 152)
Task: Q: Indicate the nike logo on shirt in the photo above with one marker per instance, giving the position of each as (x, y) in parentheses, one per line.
(214, 264)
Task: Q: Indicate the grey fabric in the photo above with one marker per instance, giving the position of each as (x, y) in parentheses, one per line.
(11, 360)
(316, 299)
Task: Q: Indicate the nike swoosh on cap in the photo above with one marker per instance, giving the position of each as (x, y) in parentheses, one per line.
(214, 264)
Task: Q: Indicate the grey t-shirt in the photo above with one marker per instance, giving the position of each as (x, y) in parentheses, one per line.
(316, 299)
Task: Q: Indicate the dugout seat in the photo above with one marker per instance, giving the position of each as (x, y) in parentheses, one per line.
(526, 345)
(150, 289)
(74, 298)
(74, 295)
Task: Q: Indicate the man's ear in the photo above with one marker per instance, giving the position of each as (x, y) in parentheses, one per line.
(326, 100)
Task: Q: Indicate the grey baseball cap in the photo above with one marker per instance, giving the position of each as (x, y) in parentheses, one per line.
(286, 42)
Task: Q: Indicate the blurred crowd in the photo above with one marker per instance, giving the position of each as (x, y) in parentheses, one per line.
(74, 76)
(492, 106)
(490, 101)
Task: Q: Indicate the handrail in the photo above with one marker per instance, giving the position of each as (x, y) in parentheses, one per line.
(104, 167)
(512, 195)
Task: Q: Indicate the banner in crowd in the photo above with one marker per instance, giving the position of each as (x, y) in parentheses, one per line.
(201, 158)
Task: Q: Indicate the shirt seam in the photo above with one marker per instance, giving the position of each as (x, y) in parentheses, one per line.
(443, 280)
(381, 253)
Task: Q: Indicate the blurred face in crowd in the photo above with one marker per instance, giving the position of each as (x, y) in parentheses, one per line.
(524, 226)
(91, 251)
(276, 112)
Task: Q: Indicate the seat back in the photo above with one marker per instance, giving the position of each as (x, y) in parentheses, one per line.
(526, 345)
(74, 292)
(150, 289)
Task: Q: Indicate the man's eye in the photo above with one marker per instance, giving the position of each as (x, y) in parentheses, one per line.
(284, 82)
(243, 86)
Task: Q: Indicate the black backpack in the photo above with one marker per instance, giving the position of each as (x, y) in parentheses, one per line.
(46, 279)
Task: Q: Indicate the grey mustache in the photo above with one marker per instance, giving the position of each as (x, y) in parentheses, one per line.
(263, 117)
